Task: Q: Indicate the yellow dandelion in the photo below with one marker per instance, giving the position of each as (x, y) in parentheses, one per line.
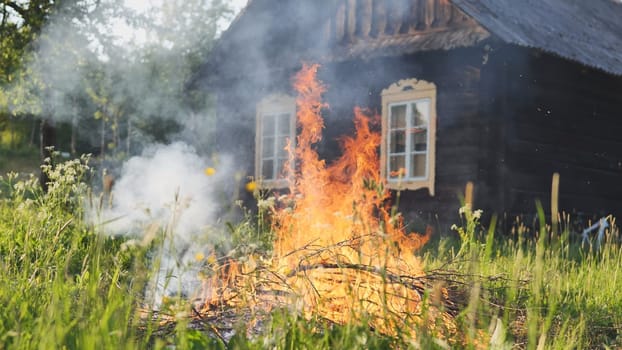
(199, 257)
(209, 171)
(251, 186)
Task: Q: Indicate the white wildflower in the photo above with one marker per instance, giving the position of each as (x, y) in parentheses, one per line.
(477, 214)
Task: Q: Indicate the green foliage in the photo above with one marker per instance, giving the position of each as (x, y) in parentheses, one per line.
(62, 284)
(59, 60)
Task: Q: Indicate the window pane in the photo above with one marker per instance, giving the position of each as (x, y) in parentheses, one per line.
(397, 166)
(398, 142)
(267, 147)
(417, 165)
(284, 124)
(267, 171)
(421, 113)
(419, 140)
(398, 116)
(268, 125)
(281, 168)
(281, 150)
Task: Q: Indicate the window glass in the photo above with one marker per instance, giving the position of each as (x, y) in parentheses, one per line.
(420, 140)
(408, 139)
(284, 124)
(267, 169)
(397, 166)
(268, 125)
(281, 167)
(275, 132)
(398, 142)
(417, 165)
(398, 116)
(420, 113)
(282, 146)
(267, 148)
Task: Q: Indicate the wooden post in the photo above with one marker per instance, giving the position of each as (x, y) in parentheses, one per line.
(555, 204)
(351, 21)
(468, 195)
(379, 18)
(340, 22)
(365, 17)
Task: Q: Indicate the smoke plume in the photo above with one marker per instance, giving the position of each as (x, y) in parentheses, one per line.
(167, 191)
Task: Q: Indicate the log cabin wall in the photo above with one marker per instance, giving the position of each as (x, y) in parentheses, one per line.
(367, 45)
(463, 136)
(558, 116)
(508, 117)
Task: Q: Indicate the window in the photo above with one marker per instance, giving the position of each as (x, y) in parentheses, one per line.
(407, 153)
(276, 125)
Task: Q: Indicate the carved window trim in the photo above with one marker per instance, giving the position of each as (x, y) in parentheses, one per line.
(403, 92)
(274, 105)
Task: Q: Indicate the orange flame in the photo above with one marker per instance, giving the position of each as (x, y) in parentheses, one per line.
(345, 200)
(338, 234)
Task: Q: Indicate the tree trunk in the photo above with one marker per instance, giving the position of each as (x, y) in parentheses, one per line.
(74, 128)
(129, 136)
(74, 135)
(33, 131)
(47, 140)
(103, 140)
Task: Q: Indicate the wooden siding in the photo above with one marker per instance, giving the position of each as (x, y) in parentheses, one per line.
(560, 117)
(461, 133)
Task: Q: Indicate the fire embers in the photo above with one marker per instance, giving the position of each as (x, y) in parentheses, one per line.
(338, 253)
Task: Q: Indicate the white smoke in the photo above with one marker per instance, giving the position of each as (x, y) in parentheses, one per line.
(167, 189)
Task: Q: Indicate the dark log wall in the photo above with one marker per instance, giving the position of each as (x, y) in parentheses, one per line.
(463, 134)
(508, 118)
(561, 117)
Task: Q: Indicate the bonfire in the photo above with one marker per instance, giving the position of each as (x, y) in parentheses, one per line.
(339, 253)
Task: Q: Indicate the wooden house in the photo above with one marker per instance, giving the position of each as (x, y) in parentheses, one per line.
(505, 93)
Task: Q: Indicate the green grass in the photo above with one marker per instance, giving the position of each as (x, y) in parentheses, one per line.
(65, 285)
(546, 293)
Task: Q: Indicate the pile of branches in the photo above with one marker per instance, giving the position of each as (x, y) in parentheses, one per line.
(326, 285)
(325, 282)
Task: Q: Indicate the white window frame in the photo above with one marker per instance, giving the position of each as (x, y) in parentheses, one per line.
(408, 92)
(274, 105)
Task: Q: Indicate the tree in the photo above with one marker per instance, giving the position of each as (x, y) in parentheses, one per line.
(62, 63)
